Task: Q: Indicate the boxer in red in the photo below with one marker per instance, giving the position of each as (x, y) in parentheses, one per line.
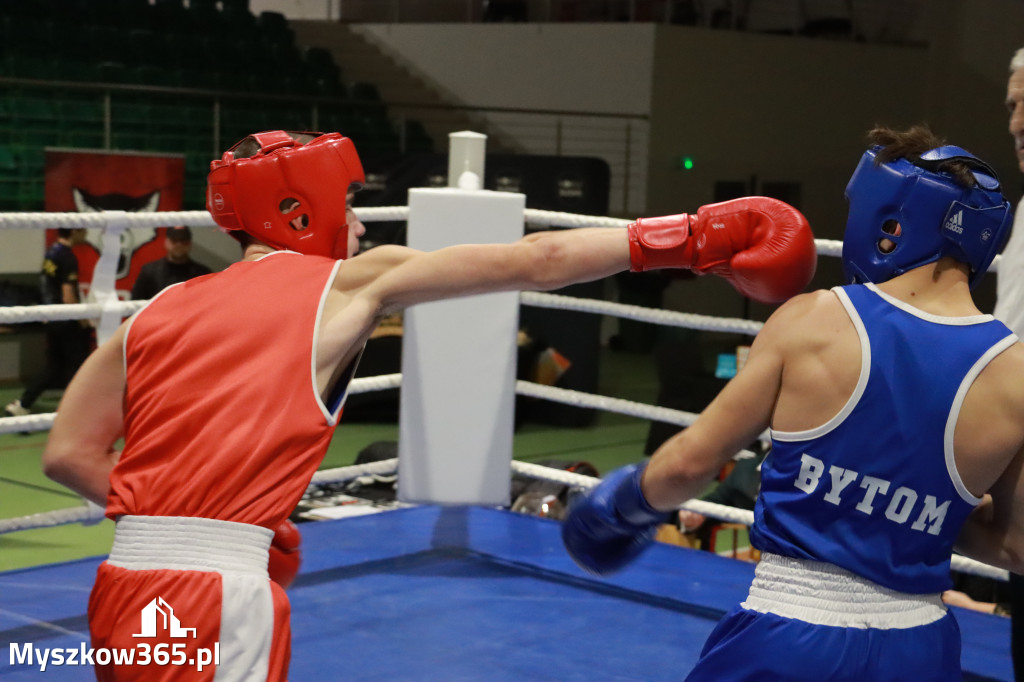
(227, 388)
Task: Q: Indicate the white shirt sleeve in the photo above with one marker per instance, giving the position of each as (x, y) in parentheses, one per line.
(1010, 278)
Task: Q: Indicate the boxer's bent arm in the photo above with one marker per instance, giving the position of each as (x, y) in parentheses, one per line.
(542, 261)
(683, 466)
(994, 532)
(990, 427)
(991, 424)
(80, 451)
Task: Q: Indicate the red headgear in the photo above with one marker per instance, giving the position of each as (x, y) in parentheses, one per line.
(289, 194)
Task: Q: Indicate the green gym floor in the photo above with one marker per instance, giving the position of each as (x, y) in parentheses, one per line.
(612, 441)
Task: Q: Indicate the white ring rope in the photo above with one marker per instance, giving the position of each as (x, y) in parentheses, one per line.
(119, 220)
(66, 311)
(377, 383)
(62, 517)
(832, 247)
(30, 422)
(342, 474)
(829, 247)
(723, 513)
(374, 214)
(562, 477)
(559, 219)
(100, 219)
(668, 318)
(59, 517)
(618, 405)
(44, 421)
(967, 565)
(83, 311)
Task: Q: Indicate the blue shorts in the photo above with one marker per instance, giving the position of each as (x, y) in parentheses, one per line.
(764, 647)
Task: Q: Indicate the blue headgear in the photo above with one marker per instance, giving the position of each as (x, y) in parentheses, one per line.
(937, 216)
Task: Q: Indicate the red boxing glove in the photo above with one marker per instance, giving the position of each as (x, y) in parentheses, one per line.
(285, 555)
(763, 246)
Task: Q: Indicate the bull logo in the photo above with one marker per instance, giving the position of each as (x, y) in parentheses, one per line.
(132, 237)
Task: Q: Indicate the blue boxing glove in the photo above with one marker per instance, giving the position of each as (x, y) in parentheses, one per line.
(612, 525)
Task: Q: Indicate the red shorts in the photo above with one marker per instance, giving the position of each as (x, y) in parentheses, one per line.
(209, 609)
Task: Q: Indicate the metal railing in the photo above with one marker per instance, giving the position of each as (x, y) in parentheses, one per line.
(620, 140)
(202, 123)
(888, 21)
(410, 11)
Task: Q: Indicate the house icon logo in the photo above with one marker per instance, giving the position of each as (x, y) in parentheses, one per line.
(169, 622)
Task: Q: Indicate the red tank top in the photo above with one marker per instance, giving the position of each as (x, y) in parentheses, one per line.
(222, 416)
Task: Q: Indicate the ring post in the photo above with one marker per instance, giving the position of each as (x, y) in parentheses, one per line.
(459, 356)
(466, 152)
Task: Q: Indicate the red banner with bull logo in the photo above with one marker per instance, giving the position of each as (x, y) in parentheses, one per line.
(83, 181)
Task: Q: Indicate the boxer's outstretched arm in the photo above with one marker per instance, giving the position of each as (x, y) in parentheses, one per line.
(541, 261)
(763, 246)
(80, 451)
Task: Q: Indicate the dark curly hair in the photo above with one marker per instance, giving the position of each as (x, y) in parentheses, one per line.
(910, 144)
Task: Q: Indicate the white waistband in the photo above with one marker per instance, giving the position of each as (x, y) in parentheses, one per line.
(190, 544)
(824, 594)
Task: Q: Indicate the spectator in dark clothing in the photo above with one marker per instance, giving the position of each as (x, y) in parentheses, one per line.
(68, 342)
(177, 266)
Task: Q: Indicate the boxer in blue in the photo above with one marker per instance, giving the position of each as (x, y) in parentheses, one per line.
(894, 405)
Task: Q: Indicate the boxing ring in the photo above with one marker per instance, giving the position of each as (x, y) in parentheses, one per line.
(464, 592)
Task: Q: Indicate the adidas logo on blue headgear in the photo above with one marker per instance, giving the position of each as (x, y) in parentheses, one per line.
(937, 216)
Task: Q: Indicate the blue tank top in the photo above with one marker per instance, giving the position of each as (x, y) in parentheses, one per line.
(875, 490)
